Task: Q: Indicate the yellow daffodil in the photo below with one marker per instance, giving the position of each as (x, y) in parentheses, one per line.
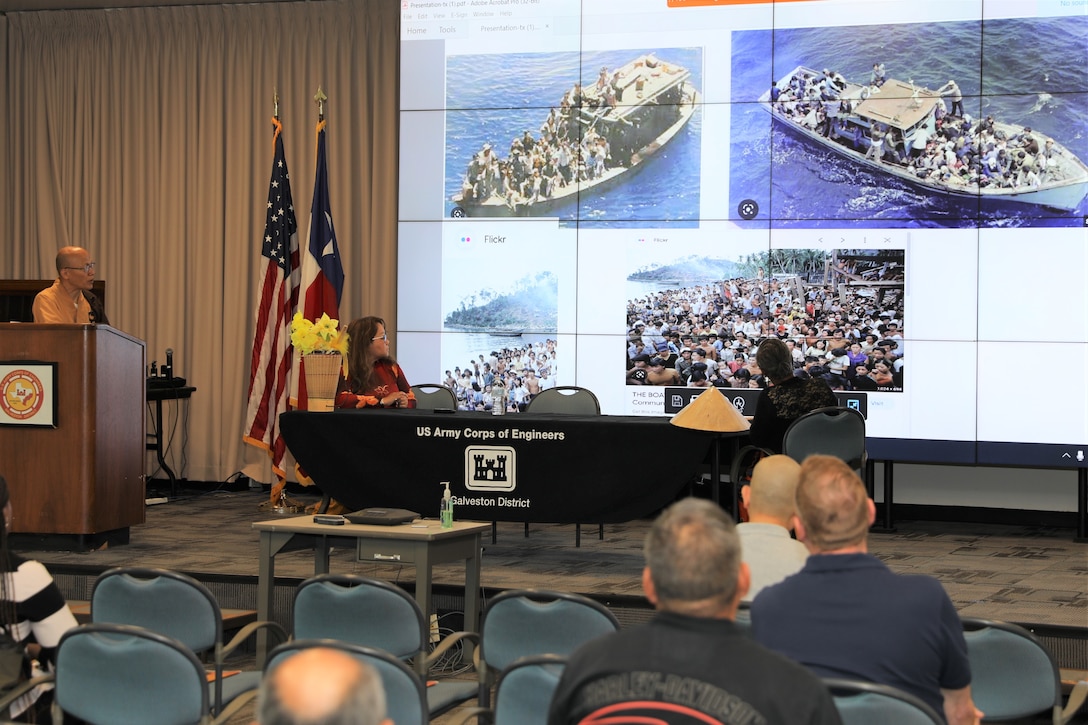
(322, 336)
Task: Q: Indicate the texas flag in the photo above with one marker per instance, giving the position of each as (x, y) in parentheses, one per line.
(322, 271)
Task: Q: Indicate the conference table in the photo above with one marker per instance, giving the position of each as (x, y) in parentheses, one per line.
(539, 468)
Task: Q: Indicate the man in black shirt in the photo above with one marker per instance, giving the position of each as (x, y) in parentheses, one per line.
(691, 663)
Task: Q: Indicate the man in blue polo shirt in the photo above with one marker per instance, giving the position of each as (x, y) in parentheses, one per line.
(845, 614)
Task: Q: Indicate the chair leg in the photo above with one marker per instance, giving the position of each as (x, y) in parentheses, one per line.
(494, 531)
(577, 535)
(526, 529)
(600, 532)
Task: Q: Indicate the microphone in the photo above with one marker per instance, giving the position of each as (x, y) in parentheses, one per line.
(98, 311)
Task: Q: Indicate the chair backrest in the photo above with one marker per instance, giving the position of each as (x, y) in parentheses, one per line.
(405, 694)
(431, 395)
(570, 399)
(114, 673)
(164, 601)
(525, 690)
(1012, 674)
(865, 703)
(523, 622)
(831, 431)
(167, 602)
(361, 611)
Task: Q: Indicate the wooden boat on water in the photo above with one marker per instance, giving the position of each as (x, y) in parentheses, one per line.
(905, 117)
(648, 104)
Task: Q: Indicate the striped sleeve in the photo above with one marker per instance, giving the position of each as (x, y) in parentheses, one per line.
(40, 606)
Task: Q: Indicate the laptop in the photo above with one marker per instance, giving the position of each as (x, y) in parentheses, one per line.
(382, 516)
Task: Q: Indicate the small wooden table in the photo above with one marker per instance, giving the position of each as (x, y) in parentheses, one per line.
(423, 543)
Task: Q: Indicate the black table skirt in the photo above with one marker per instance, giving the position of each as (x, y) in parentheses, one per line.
(543, 468)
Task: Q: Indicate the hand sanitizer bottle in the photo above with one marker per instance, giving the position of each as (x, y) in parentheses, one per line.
(446, 511)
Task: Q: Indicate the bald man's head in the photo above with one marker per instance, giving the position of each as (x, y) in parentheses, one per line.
(773, 487)
(321, 686)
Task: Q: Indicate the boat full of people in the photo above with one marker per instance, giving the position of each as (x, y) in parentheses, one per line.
(907, 130)
(594, 138)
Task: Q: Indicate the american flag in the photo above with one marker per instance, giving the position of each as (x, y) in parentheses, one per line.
(322, 271)
(270, 364)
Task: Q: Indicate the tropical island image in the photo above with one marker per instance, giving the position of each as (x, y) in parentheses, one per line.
(531, 305)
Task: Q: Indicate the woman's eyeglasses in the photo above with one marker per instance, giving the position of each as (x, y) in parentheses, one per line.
(381, 337)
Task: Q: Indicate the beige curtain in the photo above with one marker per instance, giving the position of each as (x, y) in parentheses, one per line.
(145, 136)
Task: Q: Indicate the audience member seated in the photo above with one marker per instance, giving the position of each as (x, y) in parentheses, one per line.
(321, 686)
(691, 662)
(787, 399)
(845, 614)
(33, 612)
(768, 550)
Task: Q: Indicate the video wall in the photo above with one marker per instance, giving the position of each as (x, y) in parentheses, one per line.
(627, 195)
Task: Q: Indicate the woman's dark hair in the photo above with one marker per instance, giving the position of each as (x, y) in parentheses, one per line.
(361, 333)
(774, 360)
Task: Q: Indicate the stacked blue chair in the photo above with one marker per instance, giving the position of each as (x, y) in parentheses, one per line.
(375, 613)
(177, 606)
(526, 622)
(405, 695)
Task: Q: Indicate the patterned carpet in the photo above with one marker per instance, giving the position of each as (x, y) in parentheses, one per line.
(1035, 576)
(1023, 574)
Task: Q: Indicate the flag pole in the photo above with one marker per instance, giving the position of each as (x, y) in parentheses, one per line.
(271, 359)
(278, 502)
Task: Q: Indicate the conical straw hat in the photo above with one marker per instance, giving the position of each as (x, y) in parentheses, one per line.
(711, 411)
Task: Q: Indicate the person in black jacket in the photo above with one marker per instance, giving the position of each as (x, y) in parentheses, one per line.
(788, 397)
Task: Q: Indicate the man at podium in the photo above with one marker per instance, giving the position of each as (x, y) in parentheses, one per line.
(70, 299)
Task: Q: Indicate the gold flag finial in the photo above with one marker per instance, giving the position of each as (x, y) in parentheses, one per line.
(320, 97)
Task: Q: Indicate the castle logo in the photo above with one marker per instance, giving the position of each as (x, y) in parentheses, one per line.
(21, 394)
(490, 468)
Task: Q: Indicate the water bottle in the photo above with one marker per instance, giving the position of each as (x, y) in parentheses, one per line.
(498, 398)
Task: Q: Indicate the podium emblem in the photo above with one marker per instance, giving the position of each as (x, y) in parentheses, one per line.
(23, 394)
(28, 394)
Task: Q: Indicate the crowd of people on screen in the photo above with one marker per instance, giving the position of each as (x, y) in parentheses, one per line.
(524, 371)
(708, 335)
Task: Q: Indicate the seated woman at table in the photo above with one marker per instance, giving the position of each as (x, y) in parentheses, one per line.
(374, 379)
(786, 399)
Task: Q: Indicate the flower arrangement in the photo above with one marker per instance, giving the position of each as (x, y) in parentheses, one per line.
(323, 336)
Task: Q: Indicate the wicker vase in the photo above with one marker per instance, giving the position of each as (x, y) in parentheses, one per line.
(322, 375)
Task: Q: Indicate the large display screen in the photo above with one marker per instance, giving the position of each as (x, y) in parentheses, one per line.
(628, 195)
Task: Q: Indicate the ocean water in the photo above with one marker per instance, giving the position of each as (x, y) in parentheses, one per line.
(1025, 71)
(493, 99)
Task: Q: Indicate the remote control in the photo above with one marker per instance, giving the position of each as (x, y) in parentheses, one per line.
(330, 519)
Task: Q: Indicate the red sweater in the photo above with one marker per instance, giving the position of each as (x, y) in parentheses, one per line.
(390, 379)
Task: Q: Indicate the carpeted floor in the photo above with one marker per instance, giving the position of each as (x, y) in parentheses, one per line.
(1023, 574)
(1035, 576)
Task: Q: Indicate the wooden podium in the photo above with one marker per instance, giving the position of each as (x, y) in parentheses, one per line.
(85, 475)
